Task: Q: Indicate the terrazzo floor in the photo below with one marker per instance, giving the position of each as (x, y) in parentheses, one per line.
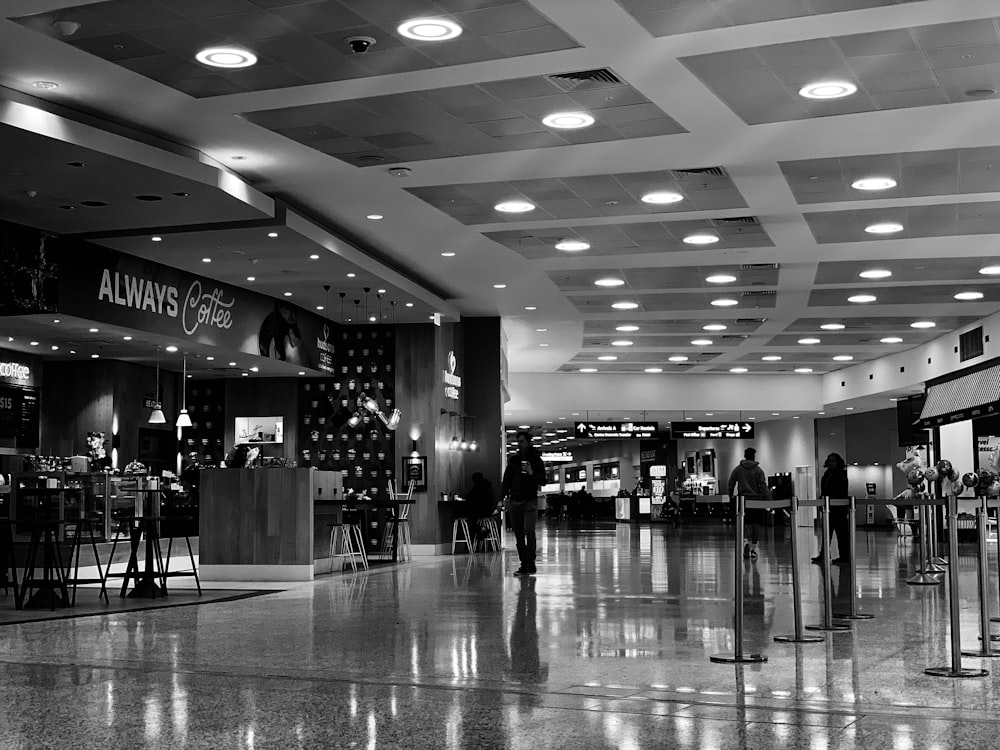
(606, 648)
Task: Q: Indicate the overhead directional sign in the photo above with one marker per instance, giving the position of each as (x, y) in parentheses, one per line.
(616, 430)
(725, 430)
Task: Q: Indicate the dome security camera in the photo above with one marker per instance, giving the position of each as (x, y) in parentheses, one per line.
(66, 28)
(360, 44)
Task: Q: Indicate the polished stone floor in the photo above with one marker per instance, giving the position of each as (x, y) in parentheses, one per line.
(606, 648)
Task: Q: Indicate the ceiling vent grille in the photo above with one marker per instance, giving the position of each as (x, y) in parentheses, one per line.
(759, 293)
(758, 266)
(749, 321)
(970, 344)
(683, 174)
(570, 81)
(733, 337)
(737, 221)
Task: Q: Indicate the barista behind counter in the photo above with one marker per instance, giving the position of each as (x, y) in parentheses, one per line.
(242, 456)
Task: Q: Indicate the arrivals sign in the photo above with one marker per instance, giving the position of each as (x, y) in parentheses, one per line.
(706, 430)
(616, 430)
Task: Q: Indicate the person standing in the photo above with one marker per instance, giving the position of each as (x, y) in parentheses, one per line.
(833, 485)
(522, 479)
(749, 481)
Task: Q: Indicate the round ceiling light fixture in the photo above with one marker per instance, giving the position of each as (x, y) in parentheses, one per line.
(862, 299)
(772, 358)
(678, 358)
(891, 340)
(923, 324)
(843, 358)
(968, 296)
(625, 305)
(833, 326)
(701, 238)
(608, 358)
(738, 370)
(875, 273)
(627, 329)
(514, 207)
(45, 85)
(721, 278)
(725, 302)
(828, 90)
(662, 197)
(990, 270)
(622, 342)
(572, 246)
(885, 227)
(701, 342)
(610, 282)
(588, 369)
(803, 370)
(447, 255)
(653, 369)
(809, 341)
(429, 29)
(714, 327)
(375, 217)
(568, 120)
(226, 57)
(874, 183)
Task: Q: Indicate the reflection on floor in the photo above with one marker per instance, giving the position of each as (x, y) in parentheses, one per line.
(607, 648)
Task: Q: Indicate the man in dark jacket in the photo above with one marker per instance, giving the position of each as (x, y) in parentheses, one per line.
(523, 478)
(749, 481)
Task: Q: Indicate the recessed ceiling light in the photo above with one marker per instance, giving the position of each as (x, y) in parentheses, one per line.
(156, 239)
(875, 273)
(543, 344)
(608, 358)
(772, 358)
(654, 369)
(721, 278)
(55, 320)
(775, 414)
(499, 286)
(862, 298)
(302, 372)
(33, 343)
(891, 340)
(678, 358)
(530, 308)
(172, 349)
(429, 29)
(254, 369)
(568, 120)
(701, 238)
(447, 255)
(93, 330)
(701, 342)
(874, 183)
(288, 294)
(923, 324)
(833, 326)
(843, 358)
(206, 260)
(625, 305)
(588, 369)
(210, 359)
(662, 197)
(126, 338)
(737, 369)
(319, 307)
(375, 217)
(541, 330)
(514, 207)
(828, 90)
(808, 341)
(245, 374)
(272, 234)
(226, 57)
(966, 296)
(990, 271)
(95, 356)
(351, 275)
(232, 364)
(849, 408)
(627, 329)
(622, 342)
(714, 327)
(724, 302)
(885, 227)
(251, 278)
(572, 246)
(409, 304)
(45, 85)
(609, 282)
(314, 256)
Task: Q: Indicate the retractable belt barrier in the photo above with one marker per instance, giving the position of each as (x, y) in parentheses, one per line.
(986, 650)
(828, 625)
(798, 636)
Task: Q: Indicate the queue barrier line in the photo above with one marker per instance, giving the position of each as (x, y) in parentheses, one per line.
(799, 636)
(828, 625)
(986, 650)
(852, 613)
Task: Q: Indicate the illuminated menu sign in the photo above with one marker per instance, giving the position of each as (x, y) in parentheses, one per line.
(717, 430)
(616, 430)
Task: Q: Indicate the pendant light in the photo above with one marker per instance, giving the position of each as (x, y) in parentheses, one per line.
(184, 419)
(157, 416)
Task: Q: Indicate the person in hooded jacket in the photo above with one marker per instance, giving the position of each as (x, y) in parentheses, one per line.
(748, 480)
(522, 479)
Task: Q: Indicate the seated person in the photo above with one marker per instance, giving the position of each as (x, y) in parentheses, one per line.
(480, 502)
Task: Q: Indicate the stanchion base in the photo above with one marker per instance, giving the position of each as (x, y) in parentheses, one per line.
(932, 567)
(734, 659)
(853, 617)
(803, 639)
(924, 579)
(939, 560)
(980, 655)
(949, 672)
(834, 628)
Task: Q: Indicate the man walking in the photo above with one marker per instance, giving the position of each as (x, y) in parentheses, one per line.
(749, 481)
(522, 479)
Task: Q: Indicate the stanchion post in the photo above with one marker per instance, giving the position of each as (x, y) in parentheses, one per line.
(923, 577)
(934, 563)
(853, 614)
(738, 657)
(828, 624)
(982, 529)
(798, 636)
(955, 668)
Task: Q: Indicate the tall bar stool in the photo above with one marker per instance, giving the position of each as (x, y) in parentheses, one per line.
(460, 535)
(347, 541)
(400, 520)
(493, 539)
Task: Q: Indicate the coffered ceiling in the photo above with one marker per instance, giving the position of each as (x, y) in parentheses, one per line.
(698, 98)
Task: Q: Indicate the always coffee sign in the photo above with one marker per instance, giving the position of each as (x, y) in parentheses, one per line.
(135, 292)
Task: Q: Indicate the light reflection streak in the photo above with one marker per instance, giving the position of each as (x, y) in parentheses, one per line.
(152, 719)
(372, 731)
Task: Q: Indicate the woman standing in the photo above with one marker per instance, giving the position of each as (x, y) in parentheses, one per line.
(834, 485)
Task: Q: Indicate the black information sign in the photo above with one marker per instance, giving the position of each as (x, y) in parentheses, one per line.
(616, 430)
(724, 430)
(18, 417)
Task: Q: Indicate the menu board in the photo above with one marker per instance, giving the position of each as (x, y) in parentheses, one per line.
(18, 417)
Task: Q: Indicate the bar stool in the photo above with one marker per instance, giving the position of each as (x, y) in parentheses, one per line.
(349, 543)
(400, 520)
(493, 538)
(73, 564)
(460, 535)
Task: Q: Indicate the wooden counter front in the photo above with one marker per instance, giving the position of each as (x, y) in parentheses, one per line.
(257, 524)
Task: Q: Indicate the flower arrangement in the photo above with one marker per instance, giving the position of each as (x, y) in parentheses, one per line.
(95, 446)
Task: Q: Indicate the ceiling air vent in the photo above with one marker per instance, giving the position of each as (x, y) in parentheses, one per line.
(759, 293)
(737, 221)
(749, 321)
(683, 174)
(758, 266)
(570, 81)
(733, 337)
(970, 344)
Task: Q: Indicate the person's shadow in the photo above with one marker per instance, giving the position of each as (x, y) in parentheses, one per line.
(526, 666)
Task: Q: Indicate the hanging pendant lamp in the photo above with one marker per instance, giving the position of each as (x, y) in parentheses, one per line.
(184, 419)
(157, 416)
